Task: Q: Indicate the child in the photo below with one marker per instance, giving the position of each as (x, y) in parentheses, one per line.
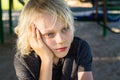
(46, 46)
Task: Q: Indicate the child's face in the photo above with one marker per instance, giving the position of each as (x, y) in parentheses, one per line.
(57, 37)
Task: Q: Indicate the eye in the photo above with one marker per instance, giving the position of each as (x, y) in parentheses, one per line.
(50, 35)
(65, 29)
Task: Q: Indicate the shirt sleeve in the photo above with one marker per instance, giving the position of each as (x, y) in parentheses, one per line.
(84, 57)
(21, 70)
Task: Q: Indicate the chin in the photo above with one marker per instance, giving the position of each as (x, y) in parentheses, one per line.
(61, 54)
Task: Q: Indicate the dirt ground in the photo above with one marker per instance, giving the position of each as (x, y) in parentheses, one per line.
(105, 50)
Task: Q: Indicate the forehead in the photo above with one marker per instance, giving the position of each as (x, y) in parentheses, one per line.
(46, 21)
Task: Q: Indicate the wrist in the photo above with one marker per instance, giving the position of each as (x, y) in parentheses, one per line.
(47, 62)
(45, 57)
(46, 70)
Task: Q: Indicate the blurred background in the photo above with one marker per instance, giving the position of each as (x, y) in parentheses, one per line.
(96, 21)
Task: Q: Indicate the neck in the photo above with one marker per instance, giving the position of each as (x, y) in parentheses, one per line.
(55, 60)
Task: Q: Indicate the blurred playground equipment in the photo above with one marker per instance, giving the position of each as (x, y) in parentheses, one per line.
(104, 12)
(1, 21)
(1, 26)
(10, 10)
(111, 16)
(22, 2)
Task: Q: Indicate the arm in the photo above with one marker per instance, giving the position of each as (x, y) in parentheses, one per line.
(85, 75)
(42, 51)
(46, 71)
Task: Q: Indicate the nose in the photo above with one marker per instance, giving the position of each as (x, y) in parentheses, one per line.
(60, 38)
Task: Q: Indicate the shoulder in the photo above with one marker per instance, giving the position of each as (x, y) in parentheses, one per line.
(27, 65)
(27, 60)
(83, 55)
(78, 45)
(80, 42)
(79, 49)
(32, 57)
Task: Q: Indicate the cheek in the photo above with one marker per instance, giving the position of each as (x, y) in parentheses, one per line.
(69, 36)
(49, 42)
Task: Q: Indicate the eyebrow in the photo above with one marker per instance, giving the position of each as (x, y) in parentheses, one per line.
(48, 31)
(52, 30)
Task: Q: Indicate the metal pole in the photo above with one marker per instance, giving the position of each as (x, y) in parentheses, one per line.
(105, 18)
(96, 7)
(10, 16)
(1, 26)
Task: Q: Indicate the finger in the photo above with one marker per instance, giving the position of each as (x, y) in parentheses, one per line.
(29, 30)
(30, 38)
(38, 34)
(34, 31)
(39, 37)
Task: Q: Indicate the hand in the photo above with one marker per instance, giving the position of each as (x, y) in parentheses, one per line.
(37, 44)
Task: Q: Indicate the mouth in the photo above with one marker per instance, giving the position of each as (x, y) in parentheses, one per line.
(62, 49)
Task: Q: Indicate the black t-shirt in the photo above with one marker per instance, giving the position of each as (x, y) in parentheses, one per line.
(79, 56)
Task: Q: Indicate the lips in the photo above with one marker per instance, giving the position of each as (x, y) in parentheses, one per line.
(62, 49)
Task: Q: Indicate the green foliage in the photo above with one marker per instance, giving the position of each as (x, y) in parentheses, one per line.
(16, 4)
